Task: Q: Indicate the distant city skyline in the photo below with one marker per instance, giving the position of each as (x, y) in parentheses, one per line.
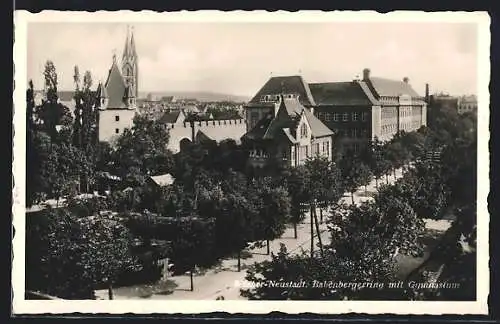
(238, 58)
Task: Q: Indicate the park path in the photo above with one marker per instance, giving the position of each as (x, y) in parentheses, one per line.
(224, 279)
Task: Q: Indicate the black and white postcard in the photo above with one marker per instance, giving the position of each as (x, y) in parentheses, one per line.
(249, 162)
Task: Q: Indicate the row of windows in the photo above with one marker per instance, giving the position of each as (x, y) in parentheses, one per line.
(272, 98)
(355, 147)
(325, 148)
(387, 129)
(354, 132)
(391, 112)
(354, 116)
(117, 130)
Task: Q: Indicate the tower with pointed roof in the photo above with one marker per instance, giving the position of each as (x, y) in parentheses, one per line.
(117, 96)
(130, 66)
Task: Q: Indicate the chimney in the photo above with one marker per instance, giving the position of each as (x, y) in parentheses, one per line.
(366, 74)
(427, 93)
(406, 80)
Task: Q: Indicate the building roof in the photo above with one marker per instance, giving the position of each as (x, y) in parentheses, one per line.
(368, 92)
(116, 88)
(169, 117)
(392, 88)
(340, 94)
(284, 124)
(163, 180)
(318, 129)
(258, 131)
(286, 84)
(287, 116)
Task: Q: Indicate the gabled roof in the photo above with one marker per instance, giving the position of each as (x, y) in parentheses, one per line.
(286, 84)
(169, 117)
(115, 87)
(286, 117)
(258, 131)
(318, 129)
(284, 124)
(340, 93)
(391, 88)
(368, 92)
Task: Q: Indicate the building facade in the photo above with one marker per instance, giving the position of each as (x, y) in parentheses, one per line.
(356, 111)
(117, 96)
(467, 104)
(287, 134)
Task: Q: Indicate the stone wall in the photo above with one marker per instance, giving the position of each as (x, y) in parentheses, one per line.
(217, 130)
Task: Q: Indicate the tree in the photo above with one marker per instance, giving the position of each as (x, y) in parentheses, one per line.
(53, 253)
(432, 193)
(352, 172)
(364, 174)
(61, 167)
(378, 162)
(142, 151)
(32, 160)
(396, 154)
(362, 250)
(273, 204)
(296, 181)
(51, 113)
(323, 185)
(107, 249)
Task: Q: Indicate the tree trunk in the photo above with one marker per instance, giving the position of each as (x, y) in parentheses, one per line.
(318, 232)
(312, 232)
(321, 215)
(386, 178)
(376, 182)
(191, 278)
(295, 230)
(268, 248)
(239, 261)
(352, 197)
(366, 190)
(110, 290)
(394, 173)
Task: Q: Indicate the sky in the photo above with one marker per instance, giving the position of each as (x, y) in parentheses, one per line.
(238, 58)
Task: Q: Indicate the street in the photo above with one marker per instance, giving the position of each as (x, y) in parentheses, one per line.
(222, 280)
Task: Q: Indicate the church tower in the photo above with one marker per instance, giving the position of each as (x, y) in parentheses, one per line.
(130, 69)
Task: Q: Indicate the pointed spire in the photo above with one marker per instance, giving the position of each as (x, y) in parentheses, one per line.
(126, 49)
(132, 42)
